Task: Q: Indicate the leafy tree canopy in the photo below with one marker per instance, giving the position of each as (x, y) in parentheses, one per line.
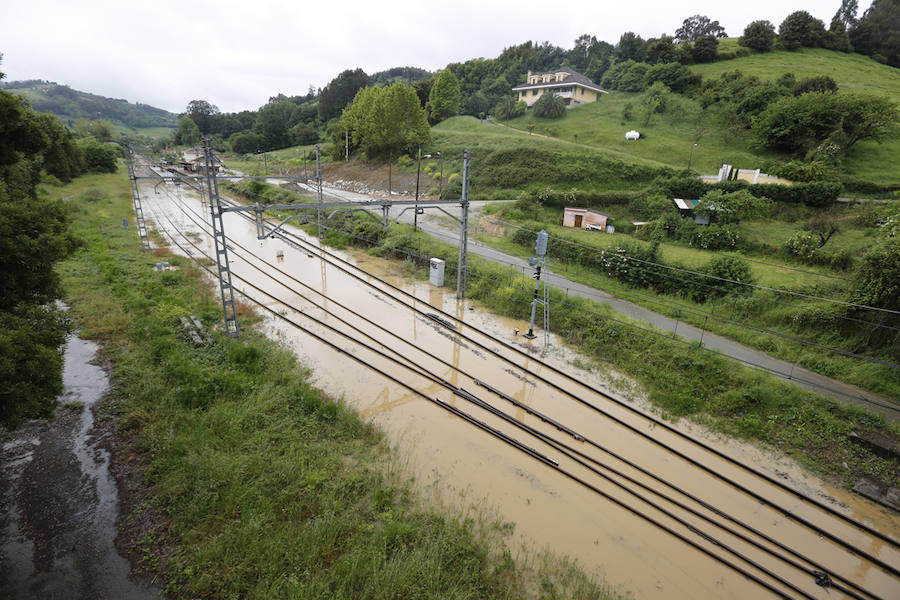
(340, 91)
(800, 124)
(444, 97)
(878, 32)
(801, 29)
(698, 26)
(386, 121)
(759, 36)
(203, 114)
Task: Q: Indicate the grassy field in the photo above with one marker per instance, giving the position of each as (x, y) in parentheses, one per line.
(760, 311)
(261, 485)
(668, 139)
(851, 71)
(153, 132)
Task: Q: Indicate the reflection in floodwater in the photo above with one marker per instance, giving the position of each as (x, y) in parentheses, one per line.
(545, 506)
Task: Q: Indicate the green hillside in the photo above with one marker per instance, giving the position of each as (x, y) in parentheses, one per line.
(69, 105)
(668, 138)
(506, 161)
(850, 71)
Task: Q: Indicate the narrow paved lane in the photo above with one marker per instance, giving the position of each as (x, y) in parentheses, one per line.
(832, 388)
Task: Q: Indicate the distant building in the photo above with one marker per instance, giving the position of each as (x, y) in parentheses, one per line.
(585, 218)
(686, 209)
(193, 160)
(571, 86)
(752, 176)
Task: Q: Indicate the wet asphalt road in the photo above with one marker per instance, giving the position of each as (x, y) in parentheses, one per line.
(59, 502)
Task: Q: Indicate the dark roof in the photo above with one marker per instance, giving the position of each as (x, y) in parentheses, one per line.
(574, 77)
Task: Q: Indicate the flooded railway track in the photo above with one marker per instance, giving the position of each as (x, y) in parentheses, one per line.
(813, 548)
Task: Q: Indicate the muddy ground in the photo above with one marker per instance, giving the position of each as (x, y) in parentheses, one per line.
(64, 483)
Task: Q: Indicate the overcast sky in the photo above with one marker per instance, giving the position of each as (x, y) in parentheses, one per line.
(238, 54)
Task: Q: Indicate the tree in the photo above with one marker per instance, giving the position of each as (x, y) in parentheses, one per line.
(303, 134)
(444, 98)
(661, 51)
(654, 100)
(273, 122)
(580, 56)
(802, 123)
(823, 226)
(733, 206)
(878, 32)
(698, 26)
(549, 106)
(801, 29)
(340, 91)
(188, 133)
(759, 36)
(33, 237)
(706, 49)
(203, 114)
(247, 142)
(508, 108)
(878, 278)
(630, 47)
(386, 122)
(846, 14)
(99, 158)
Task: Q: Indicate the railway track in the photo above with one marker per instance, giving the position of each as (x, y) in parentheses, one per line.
(784, 568)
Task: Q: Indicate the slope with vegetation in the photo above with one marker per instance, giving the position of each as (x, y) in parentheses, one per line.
(35, 148)
(70, 105)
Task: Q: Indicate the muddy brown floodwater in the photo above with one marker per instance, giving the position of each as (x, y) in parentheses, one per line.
(465, 466)
(59, 501)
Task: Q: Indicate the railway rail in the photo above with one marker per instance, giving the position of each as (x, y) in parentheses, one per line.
(683, 513)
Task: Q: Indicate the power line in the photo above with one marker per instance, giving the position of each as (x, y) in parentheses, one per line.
(707, 275)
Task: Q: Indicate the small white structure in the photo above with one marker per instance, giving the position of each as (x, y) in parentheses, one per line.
(436, 277)
(584, 218)
(632, 135)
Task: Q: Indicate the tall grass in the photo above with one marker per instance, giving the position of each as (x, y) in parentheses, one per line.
(270, 488)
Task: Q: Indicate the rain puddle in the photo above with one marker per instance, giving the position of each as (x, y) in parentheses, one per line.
(60, 502)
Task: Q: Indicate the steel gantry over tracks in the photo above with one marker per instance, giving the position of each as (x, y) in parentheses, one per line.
(320, 207)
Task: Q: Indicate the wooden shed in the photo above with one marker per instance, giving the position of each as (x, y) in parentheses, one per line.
(580, 218)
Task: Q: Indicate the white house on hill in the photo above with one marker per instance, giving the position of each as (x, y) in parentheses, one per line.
(571, 86)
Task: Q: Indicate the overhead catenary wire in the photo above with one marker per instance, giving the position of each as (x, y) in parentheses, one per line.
(631, 409)
(658, 422)
(723, 279)
(790, 376)
(554, 443)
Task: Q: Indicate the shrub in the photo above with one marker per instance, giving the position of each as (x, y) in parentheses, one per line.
(549, 106)
(802, 245)
(733, 268)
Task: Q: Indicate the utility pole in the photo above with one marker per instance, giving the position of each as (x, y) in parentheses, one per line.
(346, 146)
(463, 230)
(319, 192)
(537, 261)
(418, 170)
(218, 229)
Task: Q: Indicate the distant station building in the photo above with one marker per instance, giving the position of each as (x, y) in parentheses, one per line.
(573, 87)
(193, 160)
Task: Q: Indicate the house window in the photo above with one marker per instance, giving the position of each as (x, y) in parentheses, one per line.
(534, 92)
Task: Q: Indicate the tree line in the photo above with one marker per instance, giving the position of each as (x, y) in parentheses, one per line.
(35, 148)
(633, 64)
